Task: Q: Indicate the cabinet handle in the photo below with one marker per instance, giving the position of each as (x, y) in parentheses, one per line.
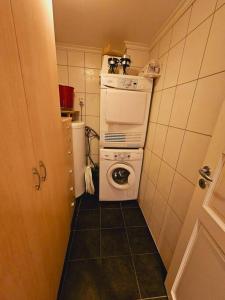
(69, 152)
(72, 204)
(36, 173)
(42, 166)
(71, 188)
(70, 171)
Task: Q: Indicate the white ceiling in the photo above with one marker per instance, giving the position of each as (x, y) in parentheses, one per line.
(96, 22)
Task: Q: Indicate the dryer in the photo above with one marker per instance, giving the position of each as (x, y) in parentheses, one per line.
(124, 110)
(120, 171)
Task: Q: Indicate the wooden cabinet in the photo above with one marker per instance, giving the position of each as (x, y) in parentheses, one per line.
(34, 224)
(68, 153)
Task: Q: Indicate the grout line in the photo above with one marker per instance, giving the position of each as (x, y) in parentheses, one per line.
(107, 228)
(132, 259)
(152, 298)
(189, 81)
(100, 234)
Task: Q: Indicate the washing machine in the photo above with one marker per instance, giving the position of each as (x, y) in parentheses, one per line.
(120, 171)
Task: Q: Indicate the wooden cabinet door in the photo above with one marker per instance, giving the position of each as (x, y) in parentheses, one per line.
(22, 265)
(36, 43)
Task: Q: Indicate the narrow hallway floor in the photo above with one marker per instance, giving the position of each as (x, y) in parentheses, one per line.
(111, 254)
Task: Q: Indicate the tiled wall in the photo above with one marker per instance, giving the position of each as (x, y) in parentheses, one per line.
(185, 106)
(80, 68)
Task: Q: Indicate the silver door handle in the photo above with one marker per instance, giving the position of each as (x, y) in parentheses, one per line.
(205, 172)
(42, 166)
(36, 173)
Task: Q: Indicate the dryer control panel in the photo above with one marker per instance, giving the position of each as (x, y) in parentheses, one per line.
(126, 82)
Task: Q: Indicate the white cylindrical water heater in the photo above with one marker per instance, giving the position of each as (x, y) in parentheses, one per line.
(79, 156)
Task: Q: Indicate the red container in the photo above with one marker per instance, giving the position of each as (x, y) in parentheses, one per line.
(66, 94)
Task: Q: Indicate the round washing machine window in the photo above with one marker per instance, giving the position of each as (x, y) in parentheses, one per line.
(121, 176)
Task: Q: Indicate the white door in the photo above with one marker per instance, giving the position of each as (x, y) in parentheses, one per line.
(198, 267)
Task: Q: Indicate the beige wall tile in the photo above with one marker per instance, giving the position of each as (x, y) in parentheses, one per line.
(159, 81)
(76, 79)
(219, 3)
(154, 53)
(165, 252)
(154, 168)
(173, 146)
(62, 57)
(200, 11)
(164, 43)
(94, 147)
(155, 106)
(180, 28)
(165, 179)
(146, 161)
(155, 228)
(150, 135)
(147, 203)
(214, 56)
(192, 154)
(171, 229)
(63, 75)
(92, 104)
(182, 104)
(209, 96)
(95, 158)
(193, 52)
(157, 214)
(76, 105)
(166, 106)
(93, 60)
(75, 58)
(134, 71)
(159, 141)
(173, 65)
(139, 58)
(142, 188)
(180, 195)
(92, 81)
(93, 122)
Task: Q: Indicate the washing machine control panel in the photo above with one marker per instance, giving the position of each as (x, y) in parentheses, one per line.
(121, 156)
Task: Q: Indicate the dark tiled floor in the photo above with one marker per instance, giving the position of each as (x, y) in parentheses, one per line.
(111, 254)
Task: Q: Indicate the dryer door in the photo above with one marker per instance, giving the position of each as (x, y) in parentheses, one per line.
(125, 107)
(121, 176)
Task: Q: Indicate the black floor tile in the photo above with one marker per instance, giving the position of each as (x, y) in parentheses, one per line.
(110, 204)
(89, 202)
(83, 281)
(111, 218)
(119, 281)
(130, 203)
(85, 244)
(151, 275)
(133, 217)
(114, 242)
(141, 240)
(87, 219)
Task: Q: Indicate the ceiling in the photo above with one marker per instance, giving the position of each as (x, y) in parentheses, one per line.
(95, 23)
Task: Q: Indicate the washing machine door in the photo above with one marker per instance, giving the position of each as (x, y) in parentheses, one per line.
(121, 176)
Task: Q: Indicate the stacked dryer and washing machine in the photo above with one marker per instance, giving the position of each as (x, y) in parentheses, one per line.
(124, 110)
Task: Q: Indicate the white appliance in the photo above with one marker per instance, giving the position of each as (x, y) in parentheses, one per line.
(124, 109)
(79, 159)
(120, 171)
